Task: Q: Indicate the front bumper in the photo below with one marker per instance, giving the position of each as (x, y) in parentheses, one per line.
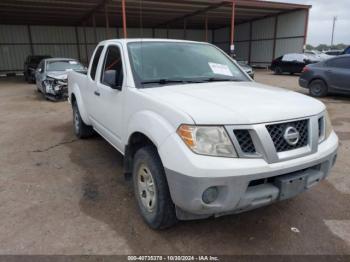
(243, 184)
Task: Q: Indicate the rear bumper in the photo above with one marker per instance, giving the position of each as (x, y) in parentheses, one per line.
(244, 184)
(303, 82)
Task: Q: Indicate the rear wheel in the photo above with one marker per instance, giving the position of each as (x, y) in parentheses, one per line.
(318, 88)
(81, 130)
(151, 189)
(278, 70)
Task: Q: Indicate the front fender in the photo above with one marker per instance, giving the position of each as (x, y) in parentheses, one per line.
(79, 99)
(152, 125)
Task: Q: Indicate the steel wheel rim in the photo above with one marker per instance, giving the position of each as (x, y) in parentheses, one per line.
(317, 89)
(146, 188)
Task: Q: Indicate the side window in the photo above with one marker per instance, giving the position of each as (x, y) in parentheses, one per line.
(95, 62)
(339, 63)
(112, 71)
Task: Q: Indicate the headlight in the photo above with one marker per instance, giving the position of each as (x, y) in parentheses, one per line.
(207, 140)
(328, 125)
(325, 127)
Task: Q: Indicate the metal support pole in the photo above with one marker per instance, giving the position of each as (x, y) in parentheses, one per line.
(185, 27)
(78, 44)
(333, 27)
(306, 27)
(94, 26)
(232, 47)
(107, 21)
(30, 40)
(274, 38)
(206, 27)
(86, 49)
(124, 19)
(250, 41)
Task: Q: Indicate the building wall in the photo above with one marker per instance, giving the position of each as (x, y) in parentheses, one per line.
(260, 41)
(254, 42)
(72, 42)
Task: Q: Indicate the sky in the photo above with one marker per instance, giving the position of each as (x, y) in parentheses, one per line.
(321, 20)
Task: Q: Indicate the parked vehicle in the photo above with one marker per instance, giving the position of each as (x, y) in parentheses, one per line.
(292, 63)
(334, 52)
(346, 51)
(319, 55)
(247, 68)
(330, 76)
(51, 76)
(199, 137)
(30, 65)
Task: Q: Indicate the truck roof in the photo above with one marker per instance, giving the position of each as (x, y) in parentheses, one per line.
(131, 40)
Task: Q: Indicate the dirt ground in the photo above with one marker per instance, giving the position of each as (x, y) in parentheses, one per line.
(60, 195)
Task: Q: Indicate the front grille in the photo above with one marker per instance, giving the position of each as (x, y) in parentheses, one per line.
(277, 132)
(245, 141)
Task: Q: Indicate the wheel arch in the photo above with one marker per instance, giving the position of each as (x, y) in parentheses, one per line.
(75, 97)
(144, 128)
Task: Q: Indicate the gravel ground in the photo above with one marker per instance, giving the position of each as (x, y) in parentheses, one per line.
(60, 195)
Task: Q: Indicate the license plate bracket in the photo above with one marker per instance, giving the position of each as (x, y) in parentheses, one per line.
(291, 185)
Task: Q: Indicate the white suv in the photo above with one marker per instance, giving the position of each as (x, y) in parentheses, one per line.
(199, 137)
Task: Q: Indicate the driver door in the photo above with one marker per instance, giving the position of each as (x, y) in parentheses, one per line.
(110, 86)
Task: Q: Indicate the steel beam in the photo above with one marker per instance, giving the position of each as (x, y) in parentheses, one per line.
(306, 28)
(107, 21)
(125, 33)
(232, 35)
(30, 39)
(198, 12)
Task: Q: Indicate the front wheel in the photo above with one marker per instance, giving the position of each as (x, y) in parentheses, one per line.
(81, 130)
(151, 189)
(318, 88)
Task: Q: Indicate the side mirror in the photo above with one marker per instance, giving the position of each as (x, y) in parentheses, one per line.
(110, 77)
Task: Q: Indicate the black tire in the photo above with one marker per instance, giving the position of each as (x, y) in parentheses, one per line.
(81, 130)
(278, 70)
(163, 213)
(318, 88)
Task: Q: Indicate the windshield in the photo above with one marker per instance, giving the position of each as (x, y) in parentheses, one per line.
(64, 65)
(172, 62)
(36, 59)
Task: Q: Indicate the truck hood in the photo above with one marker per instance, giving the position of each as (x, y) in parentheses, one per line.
(221, 103)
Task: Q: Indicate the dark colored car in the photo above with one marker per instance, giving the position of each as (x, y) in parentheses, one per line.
(292, 63)
(30, 65)
(329, 76)
(347, 51)
(334, 52)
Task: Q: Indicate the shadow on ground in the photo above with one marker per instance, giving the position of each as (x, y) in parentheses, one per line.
(107, 197)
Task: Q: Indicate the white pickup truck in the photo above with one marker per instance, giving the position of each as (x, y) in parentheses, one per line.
(199, 137)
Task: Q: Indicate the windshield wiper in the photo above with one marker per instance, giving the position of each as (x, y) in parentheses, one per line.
(165, 81)
(218, 79)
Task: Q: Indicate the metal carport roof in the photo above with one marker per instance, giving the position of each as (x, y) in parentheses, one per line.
(154, 13)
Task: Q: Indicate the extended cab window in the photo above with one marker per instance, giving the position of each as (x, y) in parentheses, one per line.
(95, 62)
(112, 71)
